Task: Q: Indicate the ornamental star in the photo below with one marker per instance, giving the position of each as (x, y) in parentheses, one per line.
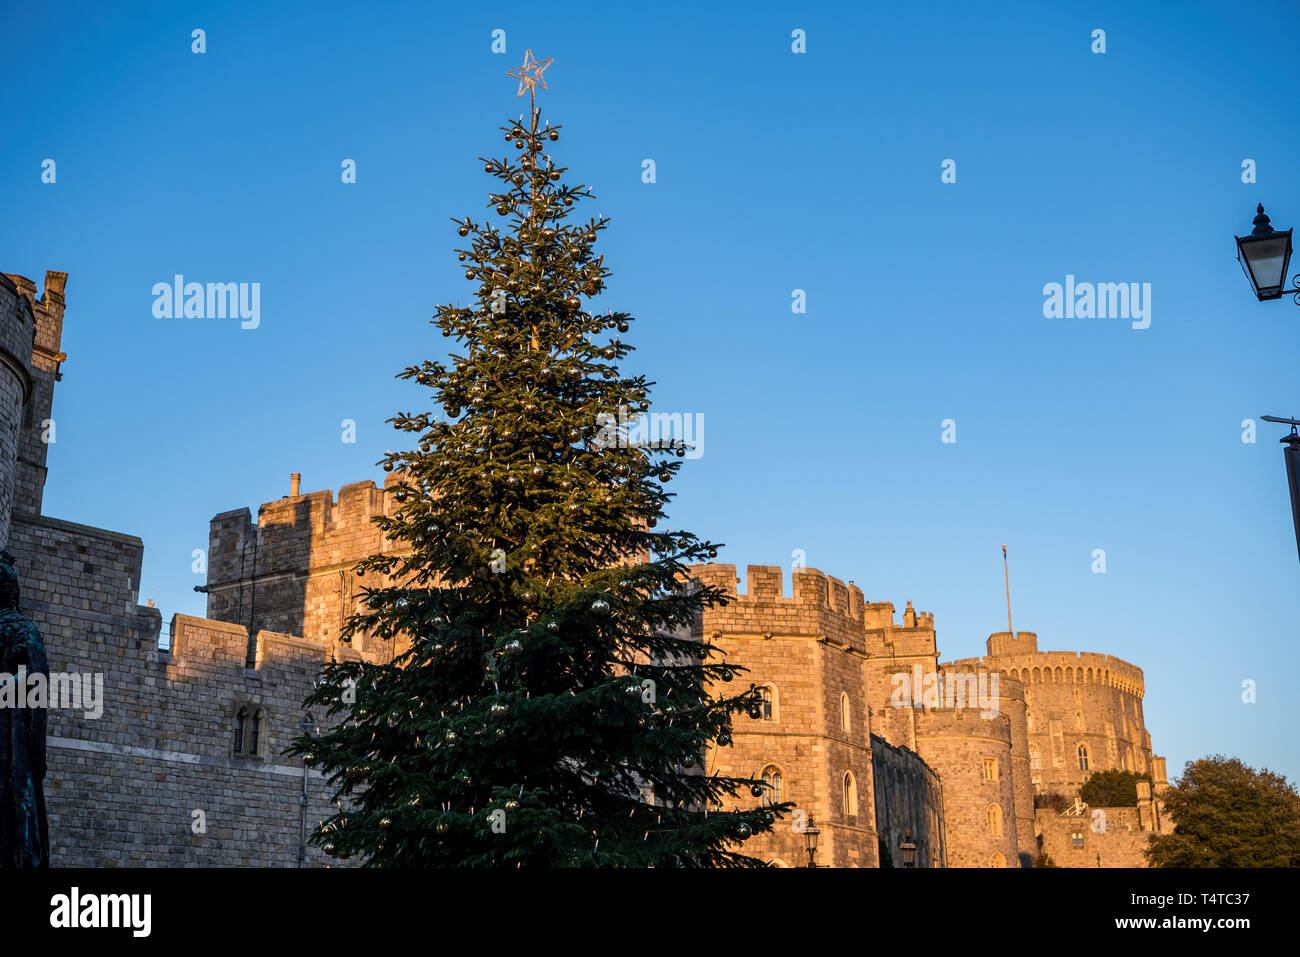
(530, 74)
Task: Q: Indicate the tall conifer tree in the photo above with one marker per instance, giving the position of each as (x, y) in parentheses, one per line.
(549, 707)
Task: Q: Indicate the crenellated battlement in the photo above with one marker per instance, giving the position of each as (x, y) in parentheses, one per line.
(217, 647)
(828, 605)
(1078, 667)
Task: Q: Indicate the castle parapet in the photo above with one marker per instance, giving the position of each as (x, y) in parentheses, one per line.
(1082, 667)
(820, 606)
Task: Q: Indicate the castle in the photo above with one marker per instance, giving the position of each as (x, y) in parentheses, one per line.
(846, 736)
(863, 728)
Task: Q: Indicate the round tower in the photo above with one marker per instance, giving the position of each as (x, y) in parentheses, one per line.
(17, 335)
(972, 754)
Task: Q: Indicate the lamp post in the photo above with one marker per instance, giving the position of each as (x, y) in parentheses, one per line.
(1264, 256)
(810, 834)
(308, 727)
(907, 847)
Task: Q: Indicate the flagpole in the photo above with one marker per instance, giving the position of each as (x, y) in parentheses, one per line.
(1007, 573)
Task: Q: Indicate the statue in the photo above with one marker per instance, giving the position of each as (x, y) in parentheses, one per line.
(24, 832)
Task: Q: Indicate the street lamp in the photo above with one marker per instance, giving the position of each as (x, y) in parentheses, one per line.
(1292, 455)
(810, 834)
(908, 849)
(1264, 256)
(308, 728)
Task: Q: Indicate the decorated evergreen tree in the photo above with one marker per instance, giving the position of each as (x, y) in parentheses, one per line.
(550, 706)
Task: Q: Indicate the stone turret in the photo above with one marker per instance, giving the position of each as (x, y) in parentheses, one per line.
(17, 335)
(40, 353)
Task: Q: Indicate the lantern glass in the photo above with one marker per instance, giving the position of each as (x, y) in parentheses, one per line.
(909, 850)
(1264, 259)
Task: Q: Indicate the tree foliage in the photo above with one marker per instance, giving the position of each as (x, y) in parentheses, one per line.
(1227, 814)
(1112, 788)
(550, 706)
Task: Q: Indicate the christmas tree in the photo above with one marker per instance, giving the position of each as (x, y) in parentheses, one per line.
(550, 706)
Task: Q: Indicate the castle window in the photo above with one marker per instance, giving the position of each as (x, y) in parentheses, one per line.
(997, 860)
(850, 795)
(1076, 840)
(844, 711)
(1078, 720)
(249, 730)
(775, 783)
(994, 818)
(768, 708)
(990, 769)
(1083, 757)
(1029, 720)
(1033, 759)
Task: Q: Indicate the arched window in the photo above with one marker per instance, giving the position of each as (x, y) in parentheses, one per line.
(997, 860)
(1033, 759)
(994, 818)
(1078, 720)
(1029, 720)
(767, 711)
(844, 711)
(1083, 757)
(255, 734)
(241, 722)
(775, 783)
(850, 795)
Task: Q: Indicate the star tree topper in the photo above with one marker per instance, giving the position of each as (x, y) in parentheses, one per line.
(530, 74)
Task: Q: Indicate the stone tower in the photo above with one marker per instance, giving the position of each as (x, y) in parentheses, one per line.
(30, 354)
(17, 334)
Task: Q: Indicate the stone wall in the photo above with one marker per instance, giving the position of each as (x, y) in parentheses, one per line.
(909, 797)
(123, 789)
(1072, 840)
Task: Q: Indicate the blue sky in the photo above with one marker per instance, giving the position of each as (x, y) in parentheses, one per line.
(775, 171)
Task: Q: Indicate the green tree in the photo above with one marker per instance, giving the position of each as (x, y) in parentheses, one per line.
(1111, 789)
(549, 706)
(1227, 814)
(1053, 800)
